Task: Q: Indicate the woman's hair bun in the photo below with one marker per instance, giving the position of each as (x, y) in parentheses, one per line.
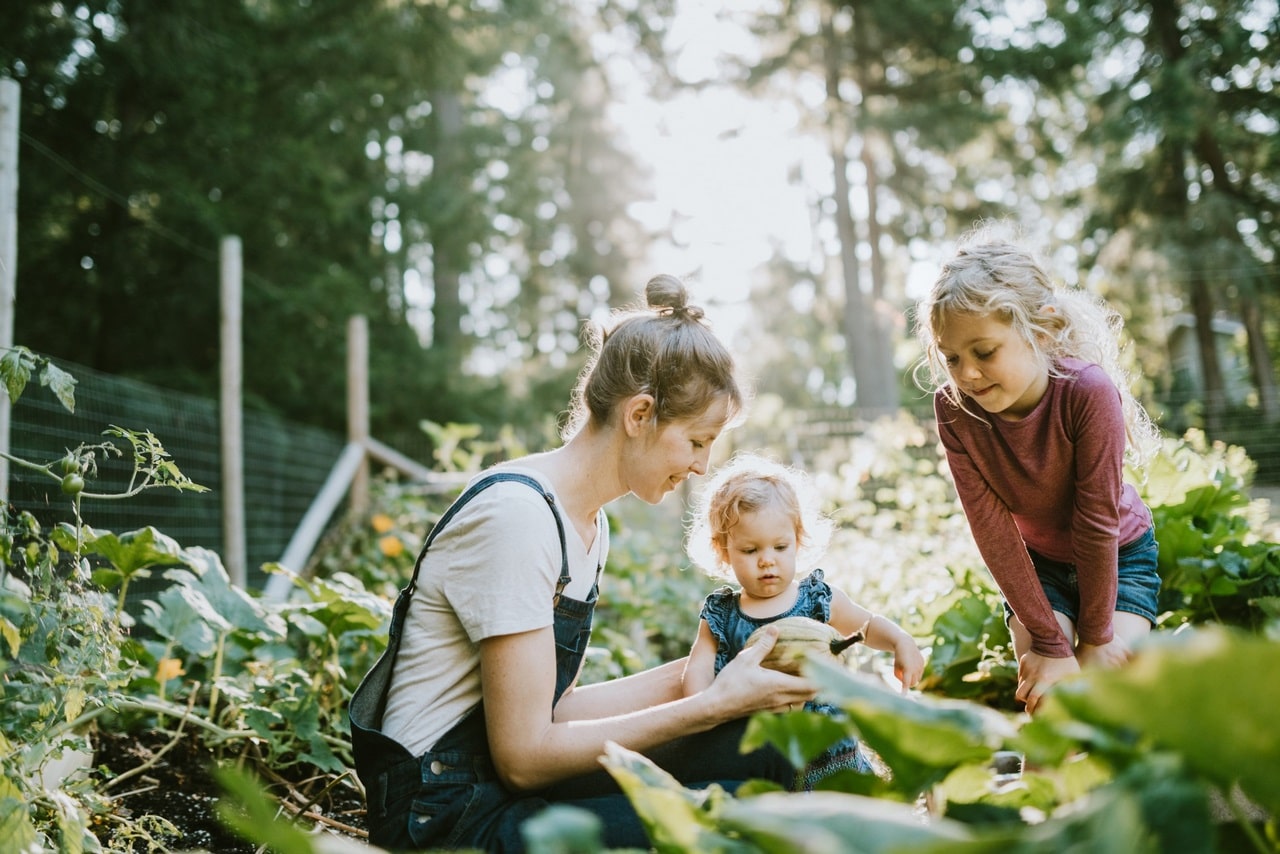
(666, 294)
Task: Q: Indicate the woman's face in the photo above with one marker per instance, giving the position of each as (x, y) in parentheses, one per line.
(674, 451)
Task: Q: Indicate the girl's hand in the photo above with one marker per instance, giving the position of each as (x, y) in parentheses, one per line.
(1107, 655)
(744, 686)
(908, 663)
(1037, 673)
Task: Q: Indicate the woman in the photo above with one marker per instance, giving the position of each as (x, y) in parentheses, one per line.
(484, 724)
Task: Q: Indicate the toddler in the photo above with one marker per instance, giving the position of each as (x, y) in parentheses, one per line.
(759, 523)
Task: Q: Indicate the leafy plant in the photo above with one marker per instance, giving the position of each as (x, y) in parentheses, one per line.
(1214, 567)
(1114, 764)
(61, 658)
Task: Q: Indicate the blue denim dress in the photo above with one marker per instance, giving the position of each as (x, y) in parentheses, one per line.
(731, 628)
(451, 797)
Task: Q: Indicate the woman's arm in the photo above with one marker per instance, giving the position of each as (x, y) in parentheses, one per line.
(531, 751)
(650, 687)
(700, 666)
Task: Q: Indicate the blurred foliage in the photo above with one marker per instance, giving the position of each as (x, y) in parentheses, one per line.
(445, 169)
(452, 171)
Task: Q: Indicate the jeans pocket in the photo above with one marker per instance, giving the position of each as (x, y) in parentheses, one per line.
(435, 811)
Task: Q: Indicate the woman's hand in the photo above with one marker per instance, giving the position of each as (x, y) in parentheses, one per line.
(1037, 673)
(1108, 655)
(908, 663)
(744, 686)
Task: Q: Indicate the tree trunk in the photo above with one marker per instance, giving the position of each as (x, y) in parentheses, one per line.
(448, 251)
(1164, 24)
(1213, 388)
(885, 399)
(866, 352)
(1260, 368)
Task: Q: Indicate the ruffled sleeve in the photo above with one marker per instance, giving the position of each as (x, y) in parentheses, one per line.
(814, 599)
(716, 609)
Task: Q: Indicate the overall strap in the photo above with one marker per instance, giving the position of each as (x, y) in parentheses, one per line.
(369, 700)
(402, 602)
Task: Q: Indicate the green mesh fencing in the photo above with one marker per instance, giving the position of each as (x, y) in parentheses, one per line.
(284, 467)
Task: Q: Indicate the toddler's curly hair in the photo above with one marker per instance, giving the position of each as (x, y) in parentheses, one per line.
(744, 484)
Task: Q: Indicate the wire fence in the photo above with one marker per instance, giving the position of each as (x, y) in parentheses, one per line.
(284, 467)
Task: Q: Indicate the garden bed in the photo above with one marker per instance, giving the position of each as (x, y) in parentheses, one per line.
(177, 785)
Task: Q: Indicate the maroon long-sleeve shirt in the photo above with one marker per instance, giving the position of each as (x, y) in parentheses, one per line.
(1051, 482)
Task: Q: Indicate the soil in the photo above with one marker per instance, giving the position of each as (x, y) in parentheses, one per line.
(180, 788)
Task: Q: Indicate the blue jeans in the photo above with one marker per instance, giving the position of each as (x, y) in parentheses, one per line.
(1137, 585)
(450, 800)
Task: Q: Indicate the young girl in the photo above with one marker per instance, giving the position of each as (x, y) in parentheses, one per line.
(1034, 410)
(759, 523)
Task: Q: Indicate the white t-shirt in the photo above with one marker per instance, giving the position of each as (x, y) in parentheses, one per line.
(491, 571)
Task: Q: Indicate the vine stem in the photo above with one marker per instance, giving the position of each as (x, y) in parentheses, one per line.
(159, 707)
(134, 488)
(155, 757)
(1245, 823)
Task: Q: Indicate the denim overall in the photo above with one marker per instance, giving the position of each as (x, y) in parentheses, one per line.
(450, 796)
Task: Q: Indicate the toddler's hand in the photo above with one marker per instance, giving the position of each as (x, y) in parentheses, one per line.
(1037, 673)
(908, 663)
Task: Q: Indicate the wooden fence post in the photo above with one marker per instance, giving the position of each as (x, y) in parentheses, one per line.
(231, 270)
(358, 406)
(10, 98)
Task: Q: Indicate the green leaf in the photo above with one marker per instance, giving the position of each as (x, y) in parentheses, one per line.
(15, 370)
(1231, 736)
(72, 821)
(183, 615)
(1174, 806)
(11, 636)
(801, 735)
(237, 607)
(135, 550)
(16, 830)
(837, 823)
(61, 383)
(678, 820)
(563, 829)
(921, 739)
(253, 814)
(342, 604)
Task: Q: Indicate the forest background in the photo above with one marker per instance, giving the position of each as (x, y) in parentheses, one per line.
(458, 173)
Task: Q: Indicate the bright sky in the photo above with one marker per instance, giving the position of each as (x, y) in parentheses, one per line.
(720, 165)
(733, 174)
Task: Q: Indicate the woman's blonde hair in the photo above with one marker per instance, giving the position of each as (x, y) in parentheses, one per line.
(745, 484)
(990, 275)
(666, 350)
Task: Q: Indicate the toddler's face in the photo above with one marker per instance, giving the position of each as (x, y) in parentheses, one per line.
(761, 549)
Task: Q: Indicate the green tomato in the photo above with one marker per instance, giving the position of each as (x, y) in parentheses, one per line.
(72, 484)
(70, 464)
